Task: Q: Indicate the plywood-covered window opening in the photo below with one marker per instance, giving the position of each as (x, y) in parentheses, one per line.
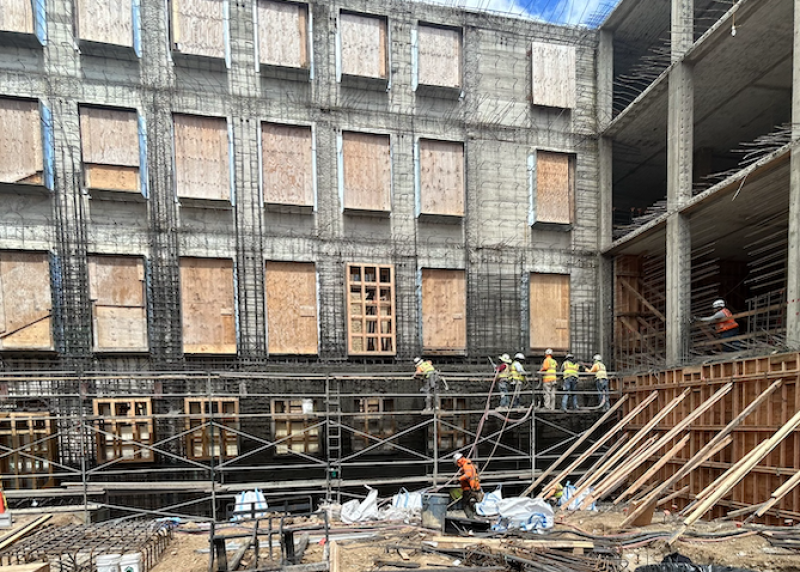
(553, 193)
(295, 426)
(204, 442)
(553, 75)
(26, 303)
(365, 163)
(17, 16)
(202, 158)
(363, 46)
(371, 310)
(453, 427)
(119, 312)
(375, 419)
(444, 309)
(282, 29)
(439, 60)
(288, 166)
(441, 177)
(22, 149)
(123, 426)
(110, 148)
(549, 312)
(106, 21)
(207, 306)
(199, 27)
(291, 307)
(29, 438)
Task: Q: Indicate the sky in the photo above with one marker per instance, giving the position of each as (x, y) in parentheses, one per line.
(572, 12)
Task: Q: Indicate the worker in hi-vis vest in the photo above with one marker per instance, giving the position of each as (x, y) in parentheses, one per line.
(569, 370)
(601, 380)
(724, 324)
(549, 379)
(429, 376)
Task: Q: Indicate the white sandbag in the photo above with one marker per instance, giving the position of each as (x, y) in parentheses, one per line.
(488, 506)
(407, 500)
(354, 511)
(568, 498)
(524, 513)
(249, 504)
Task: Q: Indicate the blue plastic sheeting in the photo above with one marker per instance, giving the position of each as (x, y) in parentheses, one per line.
(48, 146)
(137, 27)
(40, 20)
(142, 155)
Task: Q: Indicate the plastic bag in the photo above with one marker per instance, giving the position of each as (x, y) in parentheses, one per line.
(354, 511)
(677, 562)
(250, 504)
(488, 506)
(568, 498)
(524, 513)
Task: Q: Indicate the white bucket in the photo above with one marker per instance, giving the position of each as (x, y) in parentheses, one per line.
(131, 562)
(108, 562)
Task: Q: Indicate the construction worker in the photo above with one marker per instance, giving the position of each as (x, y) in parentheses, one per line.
(471, 493)
(549, 367)
(569, 370)
(503, 373)
(601, 380)
(518, 374)
(429, 376)
(725, 325)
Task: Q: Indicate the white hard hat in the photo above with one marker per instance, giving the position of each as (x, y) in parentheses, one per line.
(457, 456)
(569, 356)
(505, 358)
(519, 356)
(719, 303)
(548, 352)
(417, 360)
(597, 357)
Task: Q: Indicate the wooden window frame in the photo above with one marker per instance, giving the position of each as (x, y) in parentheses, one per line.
(29, 435)
(223, 411)
(374, 418)
(452, 426)
(368, 309)
(107, 420)
(288, 414)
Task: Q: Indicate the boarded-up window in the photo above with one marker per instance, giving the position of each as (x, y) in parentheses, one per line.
(288, 164)
(211, 427)
(283, 34)
(25, 301)
(110, 149)
(105, 21)
(207, 306)
(291, 307)
(554, 191)
(553, 75)
(202, 164)
(198, 27)
(367, 171)
(119, 315)
(16, 16)
(30, 449)
(21, 159)
(295, 426)
(439, 57)
(549, 308)
(441, 177)
(123, 427)
(444, 307)
(374, 423)
(371, 310)
(363, 46)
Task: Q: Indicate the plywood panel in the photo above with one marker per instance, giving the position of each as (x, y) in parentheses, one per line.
(366, 160)
(288, 164)
(283, 34)
(553, 75)
(439, 56)
(16, 16)
(441, 177)
(116, 288)
(120, 329)
(106, 21)
(553, 187)
(112, 178)
(549, 311)
(363, 42)
(202, 166)
(291, 307)
(207, 306)
(21, 157)
(109, 136)
(198, 27)
(26, 300)
(444, 308)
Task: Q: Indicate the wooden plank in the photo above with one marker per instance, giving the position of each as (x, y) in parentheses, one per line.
(198, 27)
(444, 309)
(549, 311)
(283, 34)
(553, 75)
(21, 158)
(112, 178)
(25, 530)
(291, 289)
(207, 306)
(109, 136)
(27, 300)
(366, 160)
(105, 21)
(363, 45)
(441, 177)
(202, 165)
(458, 542)
(117, 291)
(554, 187)
(287, 159)
(119, 329)
(439, 56)
(17, 16)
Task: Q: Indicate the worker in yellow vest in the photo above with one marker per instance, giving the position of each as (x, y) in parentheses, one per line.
(569, 370)
(601, 379)
(549, 379)
(429, 377)
(504, 376)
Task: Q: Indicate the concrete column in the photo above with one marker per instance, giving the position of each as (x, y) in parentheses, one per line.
(793, 264)
(682, 29)
(605, 79)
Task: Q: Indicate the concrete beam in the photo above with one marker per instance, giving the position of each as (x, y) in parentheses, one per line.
(793, 255)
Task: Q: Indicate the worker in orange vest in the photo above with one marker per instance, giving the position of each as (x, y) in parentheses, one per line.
(471, 493)
(724, 324)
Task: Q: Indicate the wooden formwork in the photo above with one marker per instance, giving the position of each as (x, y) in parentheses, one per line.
(750, 376)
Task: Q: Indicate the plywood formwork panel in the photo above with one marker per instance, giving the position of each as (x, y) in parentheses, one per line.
(288, 163)
(198, 27)
(553, 75)
(207, 306)
(444, 308)
(17, 16)
(116, 288)
(21, 157)
(291, 307)
(441, 177)
(363, 45)
(367, 164)
(106, 21)
(26, 302)
(283, 33)
(110, 148)
(549, 311)
(554, 187)
(439, 56)
(202, 164)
